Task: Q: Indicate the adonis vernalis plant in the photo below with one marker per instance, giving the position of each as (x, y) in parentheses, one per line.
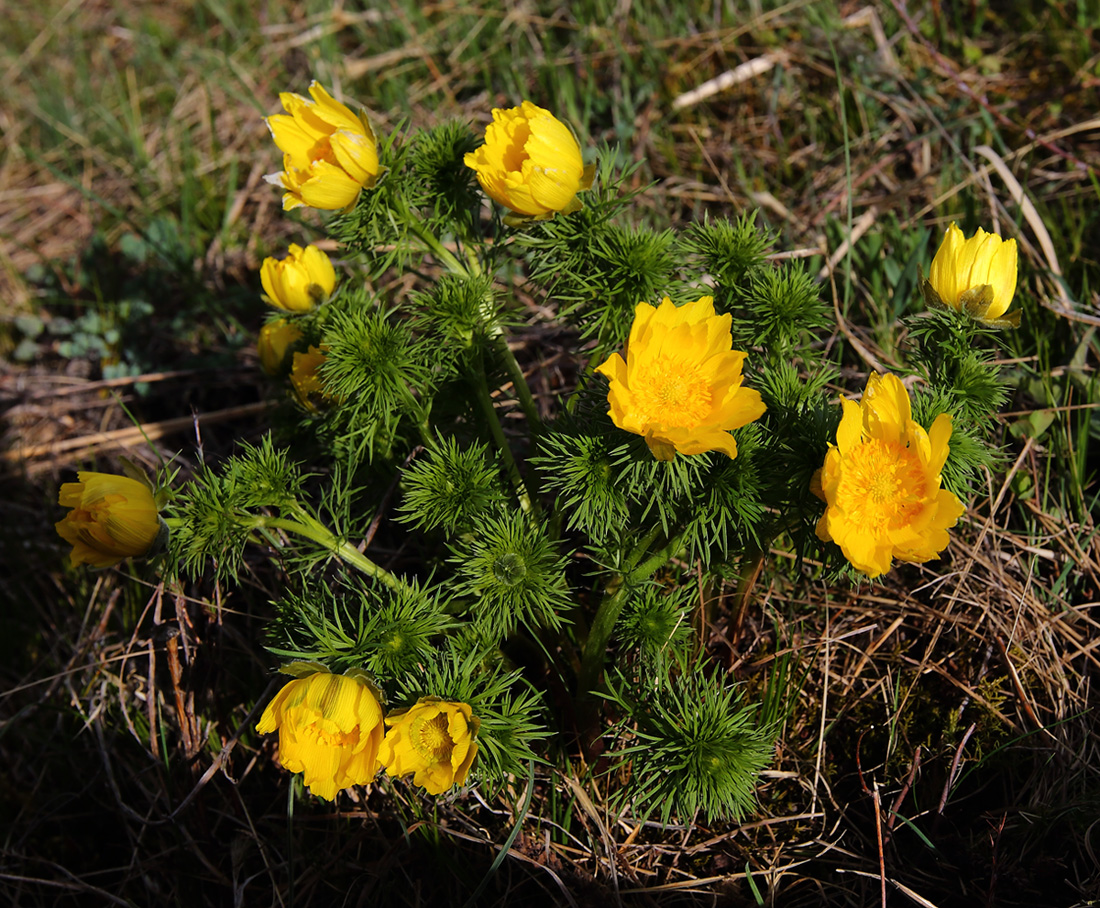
(556, 558)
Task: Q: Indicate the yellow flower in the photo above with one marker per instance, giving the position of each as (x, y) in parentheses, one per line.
(435, 740)
(881, 482)
(976, 275)
(276, 337)
(330, 728)
(112, 517)
(531, 163)
(304, 279)
(329, 153)
(305, 375)
(680, 385)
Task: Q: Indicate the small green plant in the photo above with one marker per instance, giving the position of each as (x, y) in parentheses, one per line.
(547, 562)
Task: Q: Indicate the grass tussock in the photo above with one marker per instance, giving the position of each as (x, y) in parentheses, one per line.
(938, 741)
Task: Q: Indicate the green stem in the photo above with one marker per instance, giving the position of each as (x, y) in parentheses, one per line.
(595, 647)
(599, 633)
(519, 382)
(527, 500)
(317, 532)
(446, 258)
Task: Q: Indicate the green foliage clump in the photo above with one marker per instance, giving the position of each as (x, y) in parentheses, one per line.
(729, 251)
(511, 569)
(698, 748)
(450, 486)
(385, 632)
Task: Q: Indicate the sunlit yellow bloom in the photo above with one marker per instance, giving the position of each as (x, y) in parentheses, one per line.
(680, 384)
(112, 517)
(329, 153)
(276, 337)
(881, 482)
(330, 729)
(301, 281)
(977, 275)
(531, 163)
(433, 739)
(305, 375)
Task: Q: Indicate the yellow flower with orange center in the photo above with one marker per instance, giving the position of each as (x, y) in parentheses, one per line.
(276, 337)
(301, 281)
(112, 517)
(881, 482)
(680, 384)
(329, 153)
(531, 163)
(975, 275)
(434, 740)
(330, 729)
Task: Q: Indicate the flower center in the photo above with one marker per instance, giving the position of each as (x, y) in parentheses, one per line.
(882, 485)
(431, 739)
(671, 392)
(318, 734)
(322, 151)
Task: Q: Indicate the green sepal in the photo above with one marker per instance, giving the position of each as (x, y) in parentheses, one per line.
(1008, 320)
(300, 668)
(164, 533)
(932, 299)
(976, 301)
(133, 471)
(363, 678)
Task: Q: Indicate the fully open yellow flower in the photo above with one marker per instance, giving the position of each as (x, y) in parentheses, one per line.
(881, 482)
(276, 337)
(531, 163)
(330, 729)
(301, 281)
(433, 739)
(112, 517)
(680, 384)
(329, 153)
(976, 275)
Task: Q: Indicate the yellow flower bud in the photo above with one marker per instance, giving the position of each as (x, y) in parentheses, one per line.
(305, 375)
(301, 281)
(276, 337)
(680, 384)
(881, 482)
(329, 153)
(112, 517)
(531, 163)
(433, 739)
(330, 729)
(977, 275)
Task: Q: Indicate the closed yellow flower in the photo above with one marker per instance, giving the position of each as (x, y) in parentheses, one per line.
(531, 163)
(305, 375)
(434, 740)
(976, 275)
(112, 517)
(881, 482)
(680, 384)
(329, 153)
(301, 281)
(276, 337)
(330, 729)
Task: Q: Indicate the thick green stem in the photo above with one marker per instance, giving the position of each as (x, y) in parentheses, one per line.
(599, 633)
(317, 532)
(595, 647)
